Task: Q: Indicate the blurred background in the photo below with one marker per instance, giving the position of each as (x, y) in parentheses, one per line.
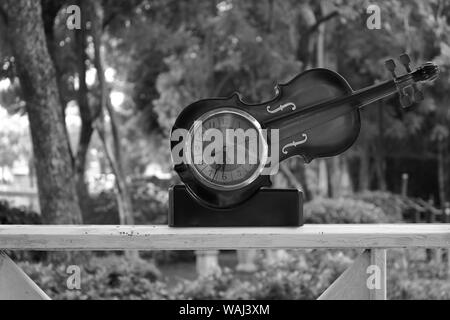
(90, 89)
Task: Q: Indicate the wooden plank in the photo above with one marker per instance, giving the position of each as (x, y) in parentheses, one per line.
(365, 279)
(15, 284)
(65, 237)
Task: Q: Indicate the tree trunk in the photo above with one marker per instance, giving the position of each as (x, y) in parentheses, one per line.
(335, 175)
(270, 15)
(80, 169)
(322, 186)
(115, 157)
(50, 10)
(122, 195)
(293, 182)
(57, 191)
(302, 177)
(441, 171)
(380, 158)
(380, 170)
(87, 117)
(364, 170)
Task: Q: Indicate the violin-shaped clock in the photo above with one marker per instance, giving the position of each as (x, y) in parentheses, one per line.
(226, 150)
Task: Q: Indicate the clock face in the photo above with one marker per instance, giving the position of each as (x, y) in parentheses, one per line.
(227, 150)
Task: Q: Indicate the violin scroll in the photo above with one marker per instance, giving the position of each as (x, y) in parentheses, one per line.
(407, 84)
(427, 72)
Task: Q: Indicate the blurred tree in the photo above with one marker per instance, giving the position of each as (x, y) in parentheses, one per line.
(57, 191)
(416, 27)
(238, 46)
(14, 140)
(169, 53)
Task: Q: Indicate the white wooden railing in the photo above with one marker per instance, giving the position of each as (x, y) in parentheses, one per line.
(372, 239)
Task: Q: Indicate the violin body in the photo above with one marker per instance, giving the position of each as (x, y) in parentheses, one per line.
(317, 114)
(325, 138)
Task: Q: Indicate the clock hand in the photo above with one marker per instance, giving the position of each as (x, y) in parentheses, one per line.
(217, 169)
(225, 160)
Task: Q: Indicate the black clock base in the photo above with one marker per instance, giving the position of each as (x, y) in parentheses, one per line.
(267, 208)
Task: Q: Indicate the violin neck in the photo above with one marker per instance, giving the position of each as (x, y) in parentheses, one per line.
(329, 110)
(373, 93)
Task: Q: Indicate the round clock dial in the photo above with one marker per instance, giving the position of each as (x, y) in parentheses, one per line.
(227, 150)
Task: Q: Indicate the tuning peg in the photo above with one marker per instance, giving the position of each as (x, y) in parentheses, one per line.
(390, 65)
(405, 100)
(406, 96)
(405, 60)
(418, 95)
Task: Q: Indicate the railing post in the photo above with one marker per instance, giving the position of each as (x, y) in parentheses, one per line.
(246, 260)
(207, 262)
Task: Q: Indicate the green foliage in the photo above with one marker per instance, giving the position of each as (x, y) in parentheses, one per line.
(150, 205)
(104, 209)
(169, 53)
(393, 205)
(367, 207)
(396, 207)
(14, 215)
(419, 279)
(113, 277)
(302, 275)
(421, 289)
(342, 211)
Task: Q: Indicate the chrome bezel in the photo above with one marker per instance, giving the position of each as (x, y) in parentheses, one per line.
(263, 144)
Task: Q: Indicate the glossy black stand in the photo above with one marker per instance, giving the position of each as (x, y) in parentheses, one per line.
(267, 208)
